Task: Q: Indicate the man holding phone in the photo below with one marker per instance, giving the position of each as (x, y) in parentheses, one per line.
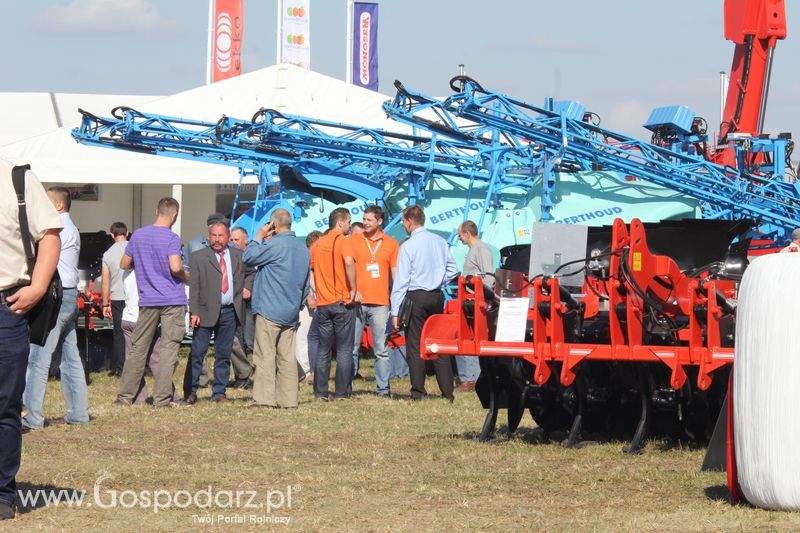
(279, 290)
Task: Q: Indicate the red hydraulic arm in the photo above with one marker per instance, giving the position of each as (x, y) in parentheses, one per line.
(755, 26)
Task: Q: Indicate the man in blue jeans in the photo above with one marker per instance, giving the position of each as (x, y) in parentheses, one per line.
(73, 377)
(19, 292)
(478, 262)
(373, 255)
(334, 283)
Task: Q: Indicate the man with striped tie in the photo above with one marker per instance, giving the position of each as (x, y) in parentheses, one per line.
(216, 306)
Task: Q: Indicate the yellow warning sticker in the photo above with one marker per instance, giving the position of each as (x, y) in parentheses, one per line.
(637, 261)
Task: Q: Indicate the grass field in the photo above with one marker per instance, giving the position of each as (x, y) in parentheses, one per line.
(364, 464)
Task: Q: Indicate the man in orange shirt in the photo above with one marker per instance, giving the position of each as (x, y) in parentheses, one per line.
(335, 287)
(373, 254)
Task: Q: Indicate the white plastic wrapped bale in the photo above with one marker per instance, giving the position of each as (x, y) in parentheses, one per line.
(766, 392)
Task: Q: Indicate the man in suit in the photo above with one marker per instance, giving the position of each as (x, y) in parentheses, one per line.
(242, 369)
(216, 305)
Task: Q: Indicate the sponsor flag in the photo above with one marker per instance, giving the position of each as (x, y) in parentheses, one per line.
(228, 31)
(365, 45)
(295, 26)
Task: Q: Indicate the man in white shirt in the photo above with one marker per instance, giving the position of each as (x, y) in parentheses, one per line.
(73, 379)
(20, 291)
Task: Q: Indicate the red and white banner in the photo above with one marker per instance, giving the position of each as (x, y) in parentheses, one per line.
(227, 47)
(295, 32)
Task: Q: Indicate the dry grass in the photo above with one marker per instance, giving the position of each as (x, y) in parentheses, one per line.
(366, 464)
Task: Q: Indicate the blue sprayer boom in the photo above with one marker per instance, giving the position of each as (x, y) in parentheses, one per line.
(724, 192)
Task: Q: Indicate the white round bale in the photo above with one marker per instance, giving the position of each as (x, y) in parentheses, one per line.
(767, 383)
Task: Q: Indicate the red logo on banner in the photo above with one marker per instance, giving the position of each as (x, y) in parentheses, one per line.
(228, 29)
(364, 49)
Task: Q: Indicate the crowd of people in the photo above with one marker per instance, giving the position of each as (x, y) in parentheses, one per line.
(294, 305)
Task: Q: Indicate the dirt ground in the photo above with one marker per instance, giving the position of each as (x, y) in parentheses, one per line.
(364, 464)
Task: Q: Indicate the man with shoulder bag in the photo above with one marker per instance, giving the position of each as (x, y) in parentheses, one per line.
(20, 291)
(424, 266)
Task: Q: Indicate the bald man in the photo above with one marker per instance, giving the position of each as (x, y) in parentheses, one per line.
(281, 286)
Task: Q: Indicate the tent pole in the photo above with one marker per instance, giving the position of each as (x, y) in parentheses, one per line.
(279, 32)
(210, 58)
(177, 193)
(349, 48)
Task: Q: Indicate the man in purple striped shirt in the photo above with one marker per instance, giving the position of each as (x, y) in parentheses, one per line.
(155, 251)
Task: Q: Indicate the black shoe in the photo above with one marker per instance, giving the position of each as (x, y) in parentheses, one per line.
(6, 511)
(191, 399)
(237, 383)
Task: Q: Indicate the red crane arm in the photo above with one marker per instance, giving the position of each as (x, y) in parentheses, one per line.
(755, 26)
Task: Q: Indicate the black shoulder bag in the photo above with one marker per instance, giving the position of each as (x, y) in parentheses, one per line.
(404, 313)
(42, 317)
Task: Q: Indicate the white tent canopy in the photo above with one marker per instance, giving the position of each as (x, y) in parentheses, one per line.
(26, 115)
(57, 158)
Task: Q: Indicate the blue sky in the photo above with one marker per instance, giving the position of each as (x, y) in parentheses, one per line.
(620, 58)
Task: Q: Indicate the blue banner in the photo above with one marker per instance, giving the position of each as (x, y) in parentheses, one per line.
(365, 45)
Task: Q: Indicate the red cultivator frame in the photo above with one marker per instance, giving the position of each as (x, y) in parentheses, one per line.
(658, 338)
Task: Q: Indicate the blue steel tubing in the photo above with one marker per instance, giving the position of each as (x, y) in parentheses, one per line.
(296, 141)
(236, 196)
(771, 201)
(722, 191)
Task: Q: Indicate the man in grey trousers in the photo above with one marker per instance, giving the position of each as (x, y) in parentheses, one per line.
(156, 252)
(281, 286)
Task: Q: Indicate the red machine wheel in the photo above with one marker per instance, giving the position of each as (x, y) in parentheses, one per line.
(730, 446)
